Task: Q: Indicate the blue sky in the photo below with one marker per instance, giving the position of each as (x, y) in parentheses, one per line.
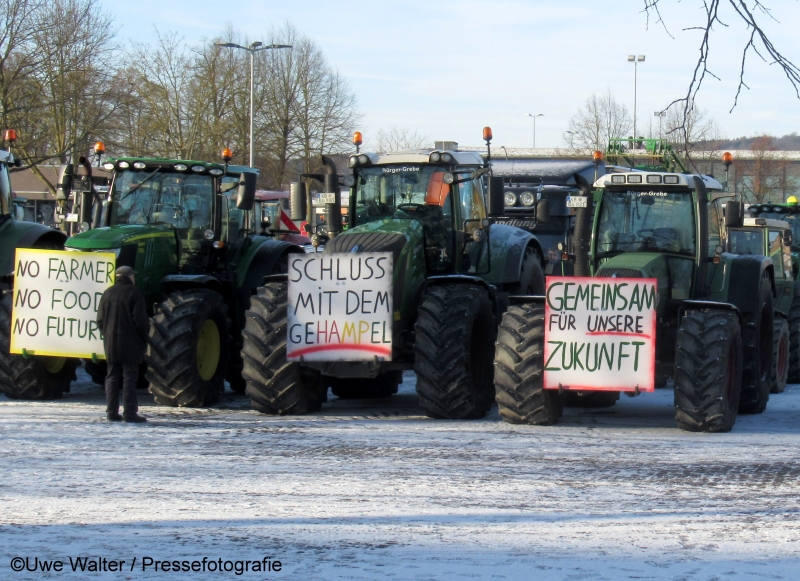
(446, 68)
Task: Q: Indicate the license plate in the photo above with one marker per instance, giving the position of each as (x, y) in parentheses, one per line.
(577, 201)
(72, 217)
(326, 198)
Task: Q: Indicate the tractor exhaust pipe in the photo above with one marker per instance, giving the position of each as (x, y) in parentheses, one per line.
(333, 212)
(583, 229)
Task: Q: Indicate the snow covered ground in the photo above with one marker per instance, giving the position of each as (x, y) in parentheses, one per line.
(373, 490)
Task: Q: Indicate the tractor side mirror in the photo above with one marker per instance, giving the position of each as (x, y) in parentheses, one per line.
(496, 203)
(297, 201)
(64, 186)
(734, 214)
(246, 194)
(543, 212)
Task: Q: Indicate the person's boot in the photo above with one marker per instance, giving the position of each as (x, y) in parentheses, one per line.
(114, 417)
(134, 418)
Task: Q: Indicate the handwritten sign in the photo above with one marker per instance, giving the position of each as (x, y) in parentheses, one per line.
(55, 300)
(600, 333)
(340, 307)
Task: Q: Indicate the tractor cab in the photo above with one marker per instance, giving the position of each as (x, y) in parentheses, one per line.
(442, 190)
(789, 213)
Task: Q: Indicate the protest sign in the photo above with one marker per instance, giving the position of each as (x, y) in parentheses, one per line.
(55, 300)
(340, 307)
(600, 333)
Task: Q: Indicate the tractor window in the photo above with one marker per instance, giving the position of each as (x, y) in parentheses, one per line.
(746, 241)
(794, 222)
(713, 228)
(646, 221)
(146, 197)
(470, 194)
(776, 252)
(381, 191)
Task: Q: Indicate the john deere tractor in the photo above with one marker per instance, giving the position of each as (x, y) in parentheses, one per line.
(20, 377)
(453, 272)
(186, 227)
(714, 308)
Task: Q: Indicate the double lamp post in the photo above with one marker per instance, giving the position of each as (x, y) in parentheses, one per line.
(252, 49)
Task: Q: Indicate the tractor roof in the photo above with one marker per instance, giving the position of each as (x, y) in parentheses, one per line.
(161, 162)
(656, 178)
(549, 171)
(419, 156)
(768, 222)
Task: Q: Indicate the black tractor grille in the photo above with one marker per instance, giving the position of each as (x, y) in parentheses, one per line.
(368, 242)
(619, 273)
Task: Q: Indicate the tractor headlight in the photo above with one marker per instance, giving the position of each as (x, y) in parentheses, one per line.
(108, 166)
(363, 159)
(527, 199)
(180, 167)
(634, 179)
(617, 179)
(651, 179)
(353, 161)
(510, 199)
(123, 165)
(435, 157)
(447, 158)
(671, 180)
(198, 168)
(448, 178)
(208, 234)
(215, 172)
(139, 165)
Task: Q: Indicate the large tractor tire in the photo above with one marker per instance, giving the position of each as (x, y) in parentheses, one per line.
(591, 399)
(34, 377)
(276, 386)
(385, 385)
(455, 332)
(708, 371)
(757, 352)
(794, 337)
(98, 371)
(187, 352)
(519, 368)
(531, 275)
(780, 355)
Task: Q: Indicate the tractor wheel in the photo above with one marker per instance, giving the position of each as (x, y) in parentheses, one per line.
(794, 337)
(519, 366)
(531, 276)
(780, 355)
(187, 351)
(276, 386)
(708, 371)
(97, 371)
(453, 359)
(35, 377)
(591, 399)
(384, 385)
(757, 352)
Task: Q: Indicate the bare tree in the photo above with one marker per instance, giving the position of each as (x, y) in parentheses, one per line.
(399, 138)
(763, 177)
(602, 118)
(756, 41)
(693, 136)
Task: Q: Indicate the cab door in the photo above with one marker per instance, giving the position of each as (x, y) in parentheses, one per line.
(780, 254)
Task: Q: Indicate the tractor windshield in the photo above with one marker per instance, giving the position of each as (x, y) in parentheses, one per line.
(162, 197)
(380, 191)
(792, 219)
(646, 221)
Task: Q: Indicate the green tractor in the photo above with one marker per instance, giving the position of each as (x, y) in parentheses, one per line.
(714, 308)
(25, 377)
(774, 238)
(187, 228)
(453, 271)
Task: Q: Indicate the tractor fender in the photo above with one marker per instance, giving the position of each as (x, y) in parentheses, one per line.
(15, 234)
(508, 245)
(695, 305)
(745, 276)
(260, 260)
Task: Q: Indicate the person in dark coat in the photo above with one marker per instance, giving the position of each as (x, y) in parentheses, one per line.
(122, 318)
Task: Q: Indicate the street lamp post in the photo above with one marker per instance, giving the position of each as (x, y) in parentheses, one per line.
(532, 116)
(571, 137)
(660, 115)
(252, 49)
(635, 59)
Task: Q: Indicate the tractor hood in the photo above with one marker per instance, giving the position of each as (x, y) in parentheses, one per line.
(116, 236)
(634, 265)
(639, 265)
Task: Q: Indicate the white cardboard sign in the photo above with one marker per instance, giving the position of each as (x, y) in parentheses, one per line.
(600, 333)
(340, 307)
(55, 300)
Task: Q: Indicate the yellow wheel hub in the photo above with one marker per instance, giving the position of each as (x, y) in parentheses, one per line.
(53, 364)
(208, 345)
